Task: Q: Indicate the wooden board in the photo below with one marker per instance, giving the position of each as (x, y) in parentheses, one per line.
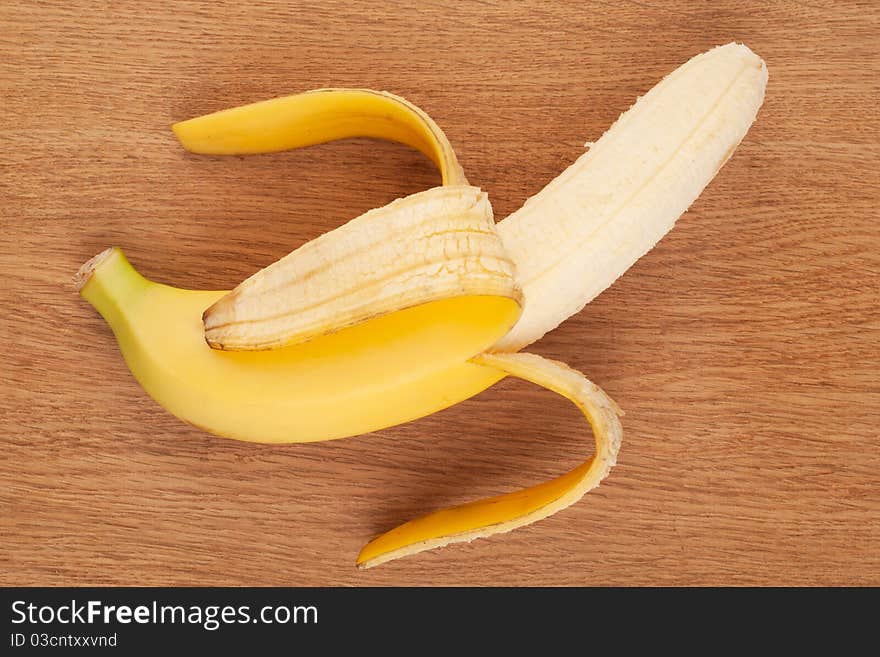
(744, 348)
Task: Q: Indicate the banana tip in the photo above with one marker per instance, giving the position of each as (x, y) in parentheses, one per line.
(85, 272)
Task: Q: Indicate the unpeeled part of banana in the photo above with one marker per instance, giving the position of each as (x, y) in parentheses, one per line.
(423, 303)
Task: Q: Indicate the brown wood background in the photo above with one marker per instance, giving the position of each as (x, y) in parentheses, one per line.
(744, 348)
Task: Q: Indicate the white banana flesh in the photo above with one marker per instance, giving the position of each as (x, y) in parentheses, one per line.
(589, 225)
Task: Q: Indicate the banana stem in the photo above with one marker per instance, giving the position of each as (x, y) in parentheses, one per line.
(109, 282)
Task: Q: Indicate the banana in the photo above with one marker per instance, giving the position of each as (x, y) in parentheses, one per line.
(317, 117)
(316, 346)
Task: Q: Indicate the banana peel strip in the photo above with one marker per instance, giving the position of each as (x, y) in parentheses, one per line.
(497, 515)
(610, 206)
(277, 124)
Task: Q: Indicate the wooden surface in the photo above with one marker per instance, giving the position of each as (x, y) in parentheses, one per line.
(744, 348)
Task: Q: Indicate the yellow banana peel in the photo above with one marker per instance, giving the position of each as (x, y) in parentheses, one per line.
(422, 303)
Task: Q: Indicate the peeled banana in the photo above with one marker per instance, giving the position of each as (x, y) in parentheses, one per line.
(590, 224)
(420, 304)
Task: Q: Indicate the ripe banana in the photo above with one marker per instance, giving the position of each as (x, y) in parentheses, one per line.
(387, 318)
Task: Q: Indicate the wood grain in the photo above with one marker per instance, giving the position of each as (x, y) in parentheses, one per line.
(744, 348)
